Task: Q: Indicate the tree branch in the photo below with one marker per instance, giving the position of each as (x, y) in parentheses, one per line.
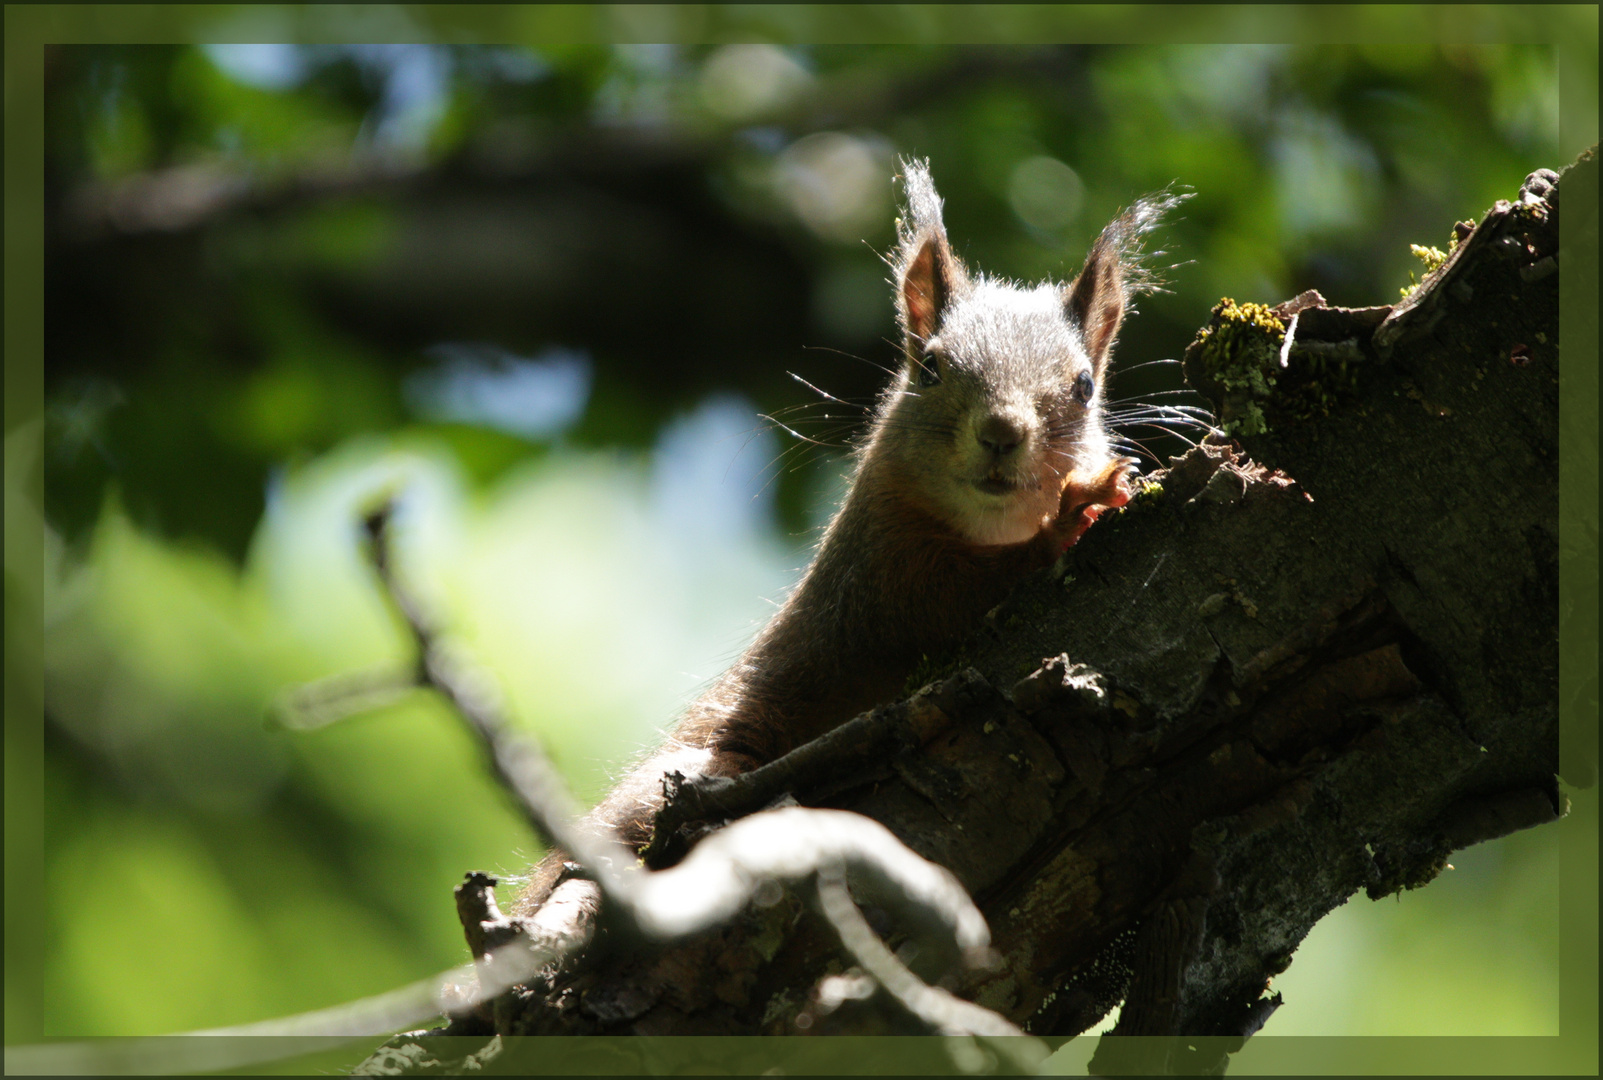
(186, 197)
(1277, 679)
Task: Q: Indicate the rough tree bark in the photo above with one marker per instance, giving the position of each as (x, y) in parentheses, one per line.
(1313, 660)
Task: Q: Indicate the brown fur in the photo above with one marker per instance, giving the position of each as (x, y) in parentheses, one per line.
(904, 568)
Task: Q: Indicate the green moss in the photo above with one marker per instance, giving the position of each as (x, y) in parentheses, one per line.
(1250, 422)
(1531, 212)
(1236, 359)
(1240, 352)
(1432, 257)
(1143, 493)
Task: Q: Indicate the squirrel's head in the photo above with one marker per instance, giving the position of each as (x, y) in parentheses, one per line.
(998, 403)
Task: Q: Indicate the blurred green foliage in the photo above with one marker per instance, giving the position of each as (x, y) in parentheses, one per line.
(283, 278)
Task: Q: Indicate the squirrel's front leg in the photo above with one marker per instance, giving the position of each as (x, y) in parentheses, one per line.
(1084, 498)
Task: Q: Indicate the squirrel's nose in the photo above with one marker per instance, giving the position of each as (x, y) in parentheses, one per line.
(999, 435)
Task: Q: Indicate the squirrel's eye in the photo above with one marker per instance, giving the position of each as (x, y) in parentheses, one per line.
(1084, 387)
(929, 371)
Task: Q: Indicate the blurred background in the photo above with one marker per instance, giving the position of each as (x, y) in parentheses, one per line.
(555, 297)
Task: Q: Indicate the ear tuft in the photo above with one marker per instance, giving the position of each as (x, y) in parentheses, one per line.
(928, 274)
(1097, 301)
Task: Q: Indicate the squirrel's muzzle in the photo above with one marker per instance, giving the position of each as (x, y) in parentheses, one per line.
(999, 435)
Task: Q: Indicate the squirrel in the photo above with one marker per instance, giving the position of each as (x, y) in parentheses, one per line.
(986, 458)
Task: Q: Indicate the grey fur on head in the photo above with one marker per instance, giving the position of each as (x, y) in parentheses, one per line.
(928, 274)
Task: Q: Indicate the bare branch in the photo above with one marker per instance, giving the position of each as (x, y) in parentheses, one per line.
(789, 846)
(842, 753)
(269, 1040)
(518, 762)
(327, 701)
(938, 1010)
(193, 196)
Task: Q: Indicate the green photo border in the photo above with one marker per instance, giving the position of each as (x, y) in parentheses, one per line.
(1570, 29)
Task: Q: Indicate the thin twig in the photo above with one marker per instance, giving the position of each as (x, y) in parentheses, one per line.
(789, 846)
(518, 762)
(718, 879)
(942, 1013)
(327, 701)
(448, 992)
(937, 1009)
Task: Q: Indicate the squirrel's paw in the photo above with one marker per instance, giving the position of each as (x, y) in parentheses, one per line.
(1085, 498)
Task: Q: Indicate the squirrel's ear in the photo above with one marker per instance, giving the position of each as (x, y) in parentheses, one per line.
(928, 281)
(1095, 301)
(928, 274)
